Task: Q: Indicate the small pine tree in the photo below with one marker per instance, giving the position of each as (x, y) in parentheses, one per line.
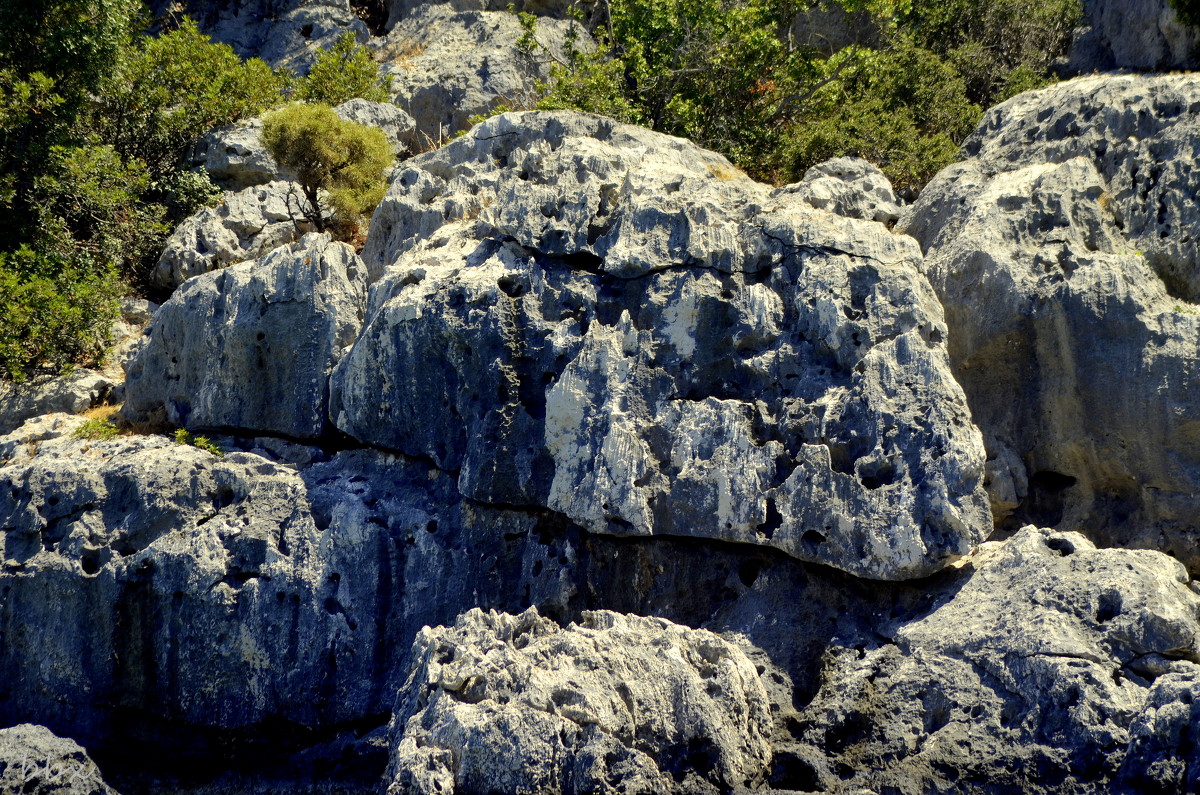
(340, 158)
(343, 72)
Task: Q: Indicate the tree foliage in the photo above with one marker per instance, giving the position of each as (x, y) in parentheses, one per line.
(729, 75)
(339, 164)
(343, 72)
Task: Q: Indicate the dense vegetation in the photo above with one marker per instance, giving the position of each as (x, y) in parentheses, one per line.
(96, 122)
(902, 90)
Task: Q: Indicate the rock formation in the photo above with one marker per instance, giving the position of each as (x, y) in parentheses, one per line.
(35, 761)
(616, 703)
(1131, 34)
(1062, 251)
(250, 347)
(619, 326)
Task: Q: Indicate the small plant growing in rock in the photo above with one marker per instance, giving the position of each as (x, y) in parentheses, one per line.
(183, 436)
(339, 164)
(97, 429)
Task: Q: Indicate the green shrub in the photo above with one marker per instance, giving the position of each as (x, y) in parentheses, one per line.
(1188, 11)
(343, 72)
(54, 313)
(341, 159)
(97, 429)
(168, 91)
(183, 436)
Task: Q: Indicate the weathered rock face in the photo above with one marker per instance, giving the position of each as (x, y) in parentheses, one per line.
(236, 158)
(35, 761)
(245, 225)
(447, 65)
(617, 703)
(284, 33)
(1061, 253)
(1142, 35)
(251, 346)
(848, 186)
(1026, 674)
(637, 336)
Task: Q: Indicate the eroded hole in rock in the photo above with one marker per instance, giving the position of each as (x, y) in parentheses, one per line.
(772, 521)
(748, 573)
(1046, 498)
(1109, 607)
(813, 538)
(306, 31)
(1061, 545)
(873, 474)
(373, 13)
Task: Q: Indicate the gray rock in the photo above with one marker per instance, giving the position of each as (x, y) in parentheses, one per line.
(447, 66)
(246, 224)
(619, 326)
(1162, 755)
(235, 157)
(502, 703)
(848, 186)
(1143, 35)
(251, 346)
(35, 761)
(399, 10)
(1024, 674)
(284, 33)
(1060, 250)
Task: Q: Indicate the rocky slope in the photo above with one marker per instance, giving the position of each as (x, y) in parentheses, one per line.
(607, 469)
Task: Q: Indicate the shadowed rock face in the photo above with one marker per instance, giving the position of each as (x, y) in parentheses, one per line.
(1063, 251)
(621, 327)
(503, 703)
(1143, 35)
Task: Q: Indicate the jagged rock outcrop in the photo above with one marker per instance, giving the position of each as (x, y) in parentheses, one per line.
(848, 186)
(615, 703)
(1144, 35)
(35, 761)
(251, 346)
(1024, 674)
(1062, 252)
(236, 158)
(446, 66)
(621, 327)
(246, 224)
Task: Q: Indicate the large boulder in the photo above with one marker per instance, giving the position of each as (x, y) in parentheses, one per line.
(251, 346)
(36, 761)
(399, 10)
(621, 327)
(446, 66)
(247, 223)
(615, 703)
(1042, 666)
(1143, 35)
(849, 186)
(1062, 252)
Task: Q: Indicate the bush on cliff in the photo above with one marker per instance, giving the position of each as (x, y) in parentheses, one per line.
(339, 164)
(343, 72)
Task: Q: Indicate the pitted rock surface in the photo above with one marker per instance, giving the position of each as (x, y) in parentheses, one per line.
(620, 326)
(448, 64)
(849, 186)
(1040, 667)
(251, 346)
(246, 224)
(1060, 251)
(615, 703)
